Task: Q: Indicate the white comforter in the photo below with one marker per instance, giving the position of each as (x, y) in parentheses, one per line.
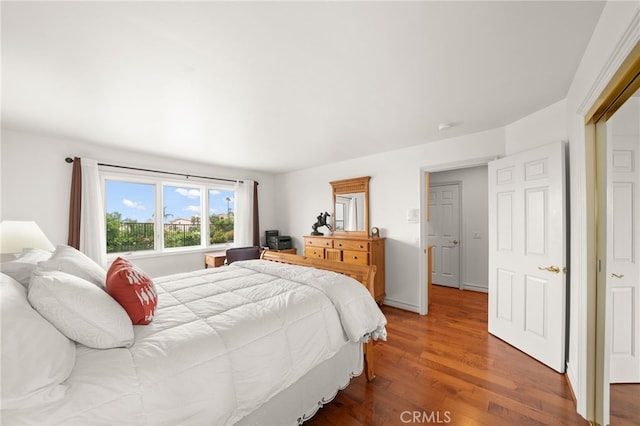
(222, 343)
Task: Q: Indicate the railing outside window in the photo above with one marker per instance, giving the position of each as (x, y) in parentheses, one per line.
(181, 234)
(134, 236)
(130, 236)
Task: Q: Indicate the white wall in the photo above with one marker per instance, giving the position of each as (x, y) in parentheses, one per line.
(394, 188)
(542, 127)
(35, 183)
(474, 198)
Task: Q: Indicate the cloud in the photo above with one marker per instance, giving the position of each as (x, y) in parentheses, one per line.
(133, 204)
(194, 209)
(189, 193)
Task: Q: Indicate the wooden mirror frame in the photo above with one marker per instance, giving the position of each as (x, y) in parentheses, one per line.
(352, 186)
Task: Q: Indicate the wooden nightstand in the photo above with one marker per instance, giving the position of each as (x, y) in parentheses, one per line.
(214, 259)
(290, 251)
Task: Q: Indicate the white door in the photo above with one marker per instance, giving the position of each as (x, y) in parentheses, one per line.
(527, 246)
(623, 243)
(444, 234)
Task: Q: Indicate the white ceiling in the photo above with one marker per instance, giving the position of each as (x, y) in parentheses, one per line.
(279, 86)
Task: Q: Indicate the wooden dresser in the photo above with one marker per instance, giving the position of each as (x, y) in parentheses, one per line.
(360, 250)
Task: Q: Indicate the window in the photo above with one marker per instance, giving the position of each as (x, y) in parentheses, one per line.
(221, 216)
(147, 215)
(181, 216)
(129, 220)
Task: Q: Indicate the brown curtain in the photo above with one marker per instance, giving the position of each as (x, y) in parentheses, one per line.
(75, 204)
(256, 220)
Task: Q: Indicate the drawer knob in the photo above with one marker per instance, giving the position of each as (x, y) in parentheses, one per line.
(361, 246)
(355, 257)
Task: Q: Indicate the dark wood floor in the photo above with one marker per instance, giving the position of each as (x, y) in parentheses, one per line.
(444, 368)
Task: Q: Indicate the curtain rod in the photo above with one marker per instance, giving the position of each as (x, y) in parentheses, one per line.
(70, 160)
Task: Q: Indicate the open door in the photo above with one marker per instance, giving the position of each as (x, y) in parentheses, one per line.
(527, 252)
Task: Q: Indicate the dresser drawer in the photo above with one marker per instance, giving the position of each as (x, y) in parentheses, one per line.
(351, 245)
(333, 254)
(314, 252)
(318, 242)
(355, 256)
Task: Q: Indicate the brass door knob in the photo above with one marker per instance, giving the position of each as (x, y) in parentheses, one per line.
(552, 268)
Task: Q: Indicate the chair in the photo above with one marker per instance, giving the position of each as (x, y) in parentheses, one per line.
(242, 253)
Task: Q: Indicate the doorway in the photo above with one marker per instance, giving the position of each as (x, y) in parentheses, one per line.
(618, 178)
(472, 243)
(623, 266)
(444, 233)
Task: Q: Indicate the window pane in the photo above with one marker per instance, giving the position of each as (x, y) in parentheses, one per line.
(221, 208)
(129, 216)
(181, 216)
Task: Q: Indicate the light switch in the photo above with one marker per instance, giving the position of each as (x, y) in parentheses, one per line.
(413, 215)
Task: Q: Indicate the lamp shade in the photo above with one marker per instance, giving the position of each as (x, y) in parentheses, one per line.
(18, 235)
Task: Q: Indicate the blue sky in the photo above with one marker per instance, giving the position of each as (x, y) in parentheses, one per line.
(136, 200)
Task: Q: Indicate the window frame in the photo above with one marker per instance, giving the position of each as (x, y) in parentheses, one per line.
(159, 183)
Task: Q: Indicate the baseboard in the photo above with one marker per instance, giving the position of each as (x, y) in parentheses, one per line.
(475, 287)
(568, 380)
(572, 380)
(401, 305)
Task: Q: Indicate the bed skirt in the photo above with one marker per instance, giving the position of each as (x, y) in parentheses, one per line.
(303, 399)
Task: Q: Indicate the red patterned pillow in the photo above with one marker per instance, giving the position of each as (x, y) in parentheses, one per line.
(133, 289)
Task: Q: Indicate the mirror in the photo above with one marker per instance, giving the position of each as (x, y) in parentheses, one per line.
(351, 206)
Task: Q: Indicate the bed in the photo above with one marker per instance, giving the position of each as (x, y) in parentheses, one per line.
(264, 342)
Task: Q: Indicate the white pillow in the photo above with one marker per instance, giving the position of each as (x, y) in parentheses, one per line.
(80, 310)
(72, 261)
(21, 268)
(36, 357)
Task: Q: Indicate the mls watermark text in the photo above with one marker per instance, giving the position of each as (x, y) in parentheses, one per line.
(425, 417)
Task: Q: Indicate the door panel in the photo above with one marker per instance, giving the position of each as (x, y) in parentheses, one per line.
(536, 221)
(527, 288)
(535, 289)
(623, 306)
(504, 222)
(504, 296)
